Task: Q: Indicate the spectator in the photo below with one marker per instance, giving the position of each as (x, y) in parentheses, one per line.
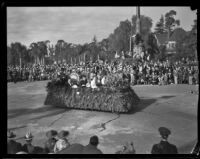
(91, 148)
(62, 142)
(12, 146)
(164, 147)
(51, 141)
(28, 147)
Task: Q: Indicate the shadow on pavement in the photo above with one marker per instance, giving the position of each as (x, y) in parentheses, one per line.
(144, 103)
(45, 111)
(166, 97)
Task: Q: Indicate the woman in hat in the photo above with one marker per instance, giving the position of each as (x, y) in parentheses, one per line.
(62, 142)
(28, 147)
(51, 141)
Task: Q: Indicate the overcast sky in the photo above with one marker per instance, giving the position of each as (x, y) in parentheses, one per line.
(79, 24)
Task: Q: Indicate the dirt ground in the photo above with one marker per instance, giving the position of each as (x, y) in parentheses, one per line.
(172, 106)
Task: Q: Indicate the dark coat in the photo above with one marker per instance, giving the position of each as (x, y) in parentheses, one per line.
(73, 149)
(29, 148)
(164, 147)
(90, 149)
(49, 145)
(13, 147)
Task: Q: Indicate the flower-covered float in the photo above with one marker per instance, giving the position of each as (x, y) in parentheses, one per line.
(115, 95)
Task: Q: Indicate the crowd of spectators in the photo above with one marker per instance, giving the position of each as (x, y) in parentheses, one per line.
(148, 72)
(58, 143)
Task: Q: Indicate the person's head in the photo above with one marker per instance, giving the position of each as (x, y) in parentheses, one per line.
(94, 140)
(63, 134)
(164, 132)
(10, 135)
(51, 134)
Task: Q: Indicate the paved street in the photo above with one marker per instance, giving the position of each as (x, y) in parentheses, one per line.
(171, 106)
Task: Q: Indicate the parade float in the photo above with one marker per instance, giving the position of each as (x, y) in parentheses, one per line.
(115, 96)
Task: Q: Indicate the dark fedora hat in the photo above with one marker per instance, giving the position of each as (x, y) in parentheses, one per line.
(164, 131)
(10, 134)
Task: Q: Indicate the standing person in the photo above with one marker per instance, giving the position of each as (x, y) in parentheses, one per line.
(175, 76)
(91, 148)
(164, 147)
(26, 74)
(12, 146)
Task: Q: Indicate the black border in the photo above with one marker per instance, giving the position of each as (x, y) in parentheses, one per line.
(56, 3)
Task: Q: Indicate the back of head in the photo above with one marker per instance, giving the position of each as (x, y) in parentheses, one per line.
(94, 140)
(164, 132)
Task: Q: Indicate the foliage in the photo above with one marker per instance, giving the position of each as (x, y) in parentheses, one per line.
(120, 100)
(160, 26)
(119, 40)
(106, 48)
(146, 24)
(151, 45)
(171, 22)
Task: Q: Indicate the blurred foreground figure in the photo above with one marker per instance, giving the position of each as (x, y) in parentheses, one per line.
(12, 146)
(91, 148)
(164, 147)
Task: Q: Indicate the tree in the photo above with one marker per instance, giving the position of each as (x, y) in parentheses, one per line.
(42, 50)
(34, 52)
(171, 22)
(151, 45)
(94, 39)
(59, 50)
(119, 40)
(146, 24)
(160, 26)
(17, 51)
(9, 56)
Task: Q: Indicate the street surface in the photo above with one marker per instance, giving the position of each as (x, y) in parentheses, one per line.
(172, 106)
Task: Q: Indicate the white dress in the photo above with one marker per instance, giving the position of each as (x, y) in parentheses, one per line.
(93, 83)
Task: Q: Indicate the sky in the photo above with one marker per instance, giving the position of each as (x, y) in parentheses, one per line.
(78, 25)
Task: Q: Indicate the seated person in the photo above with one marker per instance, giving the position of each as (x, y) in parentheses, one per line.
(93, 82)
(83, 81)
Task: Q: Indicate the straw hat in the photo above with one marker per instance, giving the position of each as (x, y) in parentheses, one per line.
(28, 136)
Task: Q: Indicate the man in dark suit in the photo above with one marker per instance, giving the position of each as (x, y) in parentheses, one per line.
(91, 148)
(12, 146)
(164, 147)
